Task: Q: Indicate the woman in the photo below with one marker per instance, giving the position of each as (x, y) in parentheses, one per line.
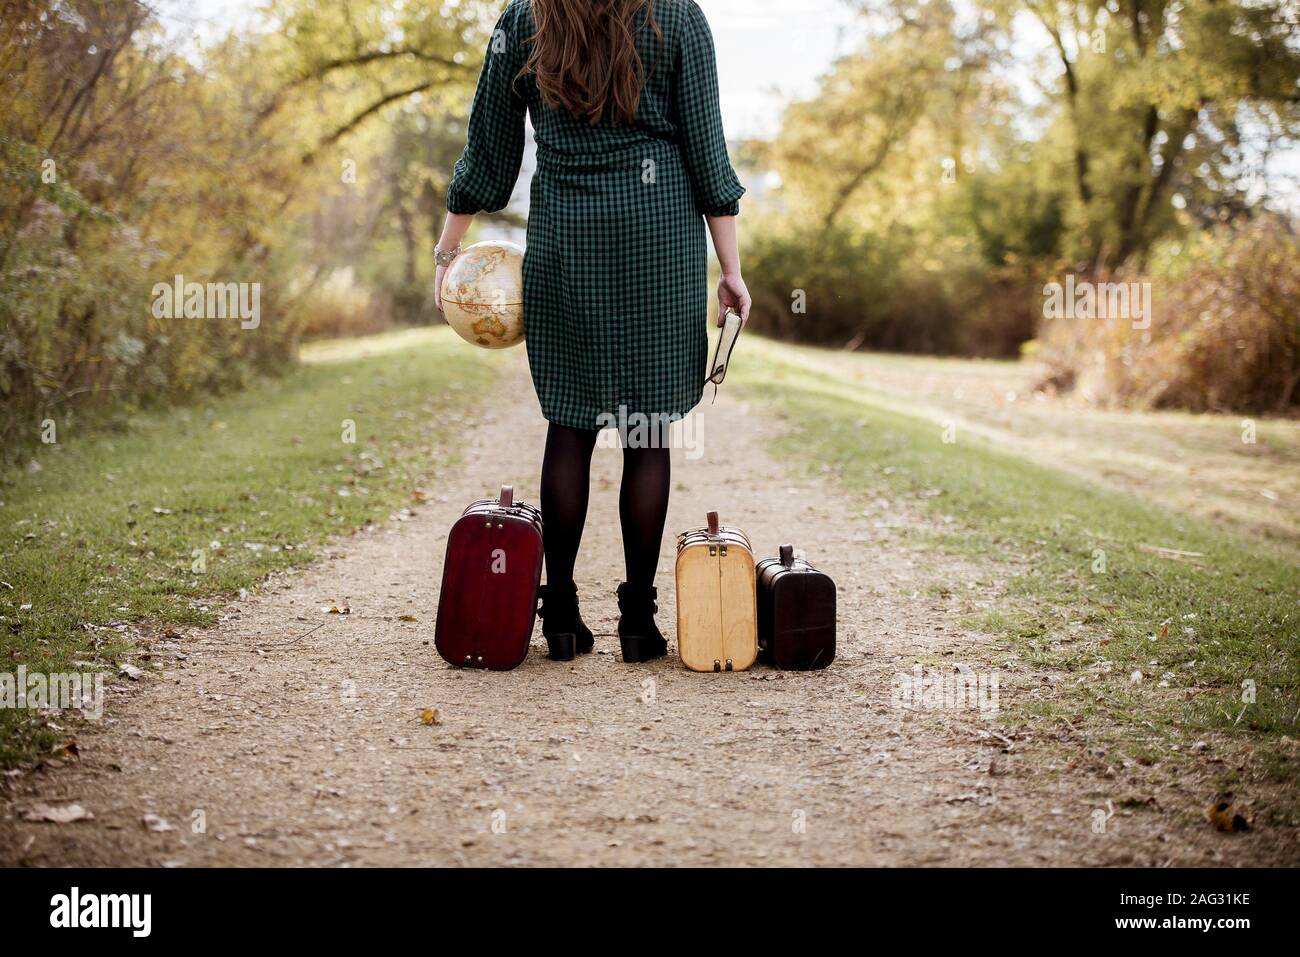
(631, 162)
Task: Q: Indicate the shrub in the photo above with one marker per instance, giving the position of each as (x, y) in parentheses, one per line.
(1224, 333)
(892, 293)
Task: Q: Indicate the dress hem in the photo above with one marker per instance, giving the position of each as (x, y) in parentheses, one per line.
(571, 422)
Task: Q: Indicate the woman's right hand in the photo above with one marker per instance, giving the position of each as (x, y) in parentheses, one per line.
(732, 294)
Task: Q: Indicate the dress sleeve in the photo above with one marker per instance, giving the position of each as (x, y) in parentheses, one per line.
(485, 175)
(713, 180)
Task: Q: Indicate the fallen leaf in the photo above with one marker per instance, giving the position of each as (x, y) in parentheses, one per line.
(430, 716)
(157, 824)
(66, 814)
(130, 671)
(407, 618)
(1224, 817)
(68, 747)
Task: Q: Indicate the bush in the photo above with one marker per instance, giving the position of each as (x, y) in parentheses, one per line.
(338, 308)
(113, 180)
(863, 291)
(77, 330)
(1224, 333)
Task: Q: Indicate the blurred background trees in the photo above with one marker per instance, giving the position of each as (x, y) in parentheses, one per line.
(961, 157)
(970, 153)
(308, 156)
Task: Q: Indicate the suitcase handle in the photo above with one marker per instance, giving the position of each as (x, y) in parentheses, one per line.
(787, 555)
(507, 497)
(713, 523)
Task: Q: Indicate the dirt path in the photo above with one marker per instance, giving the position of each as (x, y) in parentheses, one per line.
(307, 747)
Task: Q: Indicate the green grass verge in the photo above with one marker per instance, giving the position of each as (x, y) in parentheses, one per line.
(1227, 616)
(159, 519)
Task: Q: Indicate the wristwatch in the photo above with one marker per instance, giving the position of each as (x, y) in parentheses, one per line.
(444, 258)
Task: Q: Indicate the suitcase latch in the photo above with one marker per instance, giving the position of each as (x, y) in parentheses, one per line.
(722, 550)
(713, 549)
(717, 665)
(729, 668)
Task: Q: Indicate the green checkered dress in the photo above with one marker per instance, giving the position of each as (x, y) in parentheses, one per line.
(616, 271)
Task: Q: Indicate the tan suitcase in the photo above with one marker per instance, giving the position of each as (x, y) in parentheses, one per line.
(716, 622)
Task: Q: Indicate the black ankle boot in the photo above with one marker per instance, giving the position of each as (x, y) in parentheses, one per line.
(562, 625)
(637, 632)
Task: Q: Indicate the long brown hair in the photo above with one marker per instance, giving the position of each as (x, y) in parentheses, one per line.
(584, 56)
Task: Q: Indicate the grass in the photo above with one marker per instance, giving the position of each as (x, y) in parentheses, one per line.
(152, 524)
(155, 522)
(1085, 597)
(1229, 470)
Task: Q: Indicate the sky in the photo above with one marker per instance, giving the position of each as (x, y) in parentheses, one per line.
(772, 51)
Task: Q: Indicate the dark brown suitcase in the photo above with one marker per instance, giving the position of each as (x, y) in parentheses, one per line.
(488, 600)
(796, 613)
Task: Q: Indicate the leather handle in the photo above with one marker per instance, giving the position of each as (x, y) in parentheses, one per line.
(507, 497)
(713, 523)
(787, 555)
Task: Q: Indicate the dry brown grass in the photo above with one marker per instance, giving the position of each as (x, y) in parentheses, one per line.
(1224, 334)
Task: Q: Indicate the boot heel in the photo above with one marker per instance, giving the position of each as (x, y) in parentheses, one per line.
(563, 647)
(639, 648)
(632, 649)
(637, 633)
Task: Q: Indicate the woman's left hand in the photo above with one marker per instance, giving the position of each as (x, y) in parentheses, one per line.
(437, 286)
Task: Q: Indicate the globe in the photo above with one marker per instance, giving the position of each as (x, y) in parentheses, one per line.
(483, 294)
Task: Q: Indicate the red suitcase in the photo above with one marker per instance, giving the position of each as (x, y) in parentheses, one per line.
(796, 613)
(489, 584)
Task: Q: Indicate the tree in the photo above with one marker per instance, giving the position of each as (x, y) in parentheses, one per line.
(1154, 95)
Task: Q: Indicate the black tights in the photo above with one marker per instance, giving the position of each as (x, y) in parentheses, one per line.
(642, 503)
